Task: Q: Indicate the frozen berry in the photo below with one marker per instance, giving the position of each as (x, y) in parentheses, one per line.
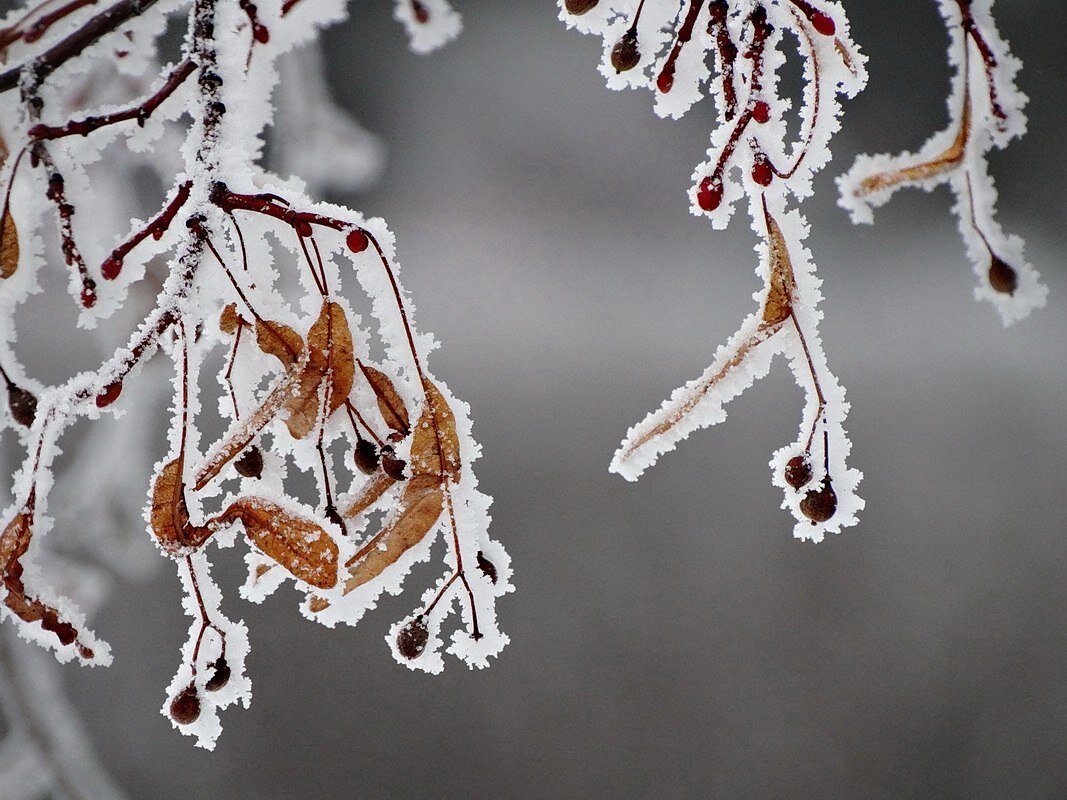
(412, 638)
(185, 708)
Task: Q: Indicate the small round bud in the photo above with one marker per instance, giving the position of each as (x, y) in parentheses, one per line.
(1002, 277)
(111, 268)
(185, 708)
(366, 457)
(391, 465)
(109, 395)
(625, 55)
(821, 504)
(709, 194)
(579, 7)
(250, 465)
(422, 16)
(798, 471)
(357, 241)
(761, 112)
(220, 675)
(412, 638)
(23, 405)
(89, 294)
(761, 170)
(823, 23)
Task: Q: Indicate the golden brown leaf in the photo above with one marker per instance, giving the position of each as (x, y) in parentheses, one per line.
(945, 162)
(330, 358)
(435, 443)
(390, 404)
(421, 506)
(9, 235)
(781, 283)
(369, 494)
(230, 319)
(170, 514)
(298, 544)
(279, 340)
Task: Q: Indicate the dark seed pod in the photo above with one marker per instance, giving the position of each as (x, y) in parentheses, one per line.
(819, 505)
(579, 7)
(412, 639)
(250, 465)
(366, 456)
(625, 55)
(422, 15)
(1002, 277)
(798, 471)
(220, 675)
(487, 567)
(391, 465)
(23, 404)
(185, 708)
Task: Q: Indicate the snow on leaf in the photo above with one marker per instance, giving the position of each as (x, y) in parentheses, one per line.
(390, 404)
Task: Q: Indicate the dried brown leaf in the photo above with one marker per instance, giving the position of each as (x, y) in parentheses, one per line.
(298, 544)
(369, 494)
(390, 404)
(331, 359)
(435, 443)
(170, 514)
(781, 284)
(9, 235)
(279, 340)
(421, 506)
(945, 162)
(230, 319)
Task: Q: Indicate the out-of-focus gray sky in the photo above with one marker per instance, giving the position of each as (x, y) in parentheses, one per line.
(670, 639)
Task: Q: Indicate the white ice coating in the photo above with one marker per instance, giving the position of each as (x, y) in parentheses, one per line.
(962, 150)
(833, 68)
(279, 286)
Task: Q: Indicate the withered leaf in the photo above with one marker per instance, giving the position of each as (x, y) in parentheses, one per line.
(420, 507)
(781, 283)
(14, 542)
(170, 514)
(945, 162)
(230, 319)
(369, 494)
(390, 404)
(298, 544)
(435, 443)
(330, 359)
(9, 235)
(279, 340)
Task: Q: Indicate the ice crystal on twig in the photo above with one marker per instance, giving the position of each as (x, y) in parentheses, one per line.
(985, 111)
(667, 47)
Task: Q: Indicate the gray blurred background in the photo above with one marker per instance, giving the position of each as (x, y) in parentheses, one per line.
(670, 639)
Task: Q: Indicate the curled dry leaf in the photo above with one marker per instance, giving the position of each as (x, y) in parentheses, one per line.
(330, 360)
(170, 514)
(421, 506)
(781, 281)
(434, 462)
(229, 320)
(390, 404)
(279, 340)
(945, 162)
(9, 235)
(14, 542)
(298, 544)
(369, 494)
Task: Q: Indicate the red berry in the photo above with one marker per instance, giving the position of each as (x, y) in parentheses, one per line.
(823, 23)
(709, 194)
(357, 241)
(665, 80)
(761, 171)
(111, 268)
(761, 112)
(109, 395)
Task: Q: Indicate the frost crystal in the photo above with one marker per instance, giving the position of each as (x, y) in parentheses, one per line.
(985, 111)
(666, 46)
(252, 271)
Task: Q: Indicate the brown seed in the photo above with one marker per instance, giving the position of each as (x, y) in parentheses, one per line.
(391, 465)
(625, 55)
(366, 456)
(412, 639)
(23, 404)
(487, 567)
(579, 7)
(798, 471)
(1002, 277)
(819, 505)
(220, 674)
(185, 708)
(250, 465)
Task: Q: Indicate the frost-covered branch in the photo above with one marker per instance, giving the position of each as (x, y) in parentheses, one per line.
(305, 385)
(985, 111)
(666, 48)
